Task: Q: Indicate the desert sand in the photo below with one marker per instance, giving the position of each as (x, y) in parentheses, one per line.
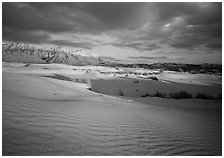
(43, 115)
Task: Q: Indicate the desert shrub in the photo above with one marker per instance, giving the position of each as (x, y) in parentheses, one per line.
(121, 93)
(80, 80)
(145, 95)
(203, 96)
(154, 78)
(27, 65)
(159, 94)
(181, 95)
(135, 81)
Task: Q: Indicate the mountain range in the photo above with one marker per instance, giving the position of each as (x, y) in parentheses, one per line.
(30, 53)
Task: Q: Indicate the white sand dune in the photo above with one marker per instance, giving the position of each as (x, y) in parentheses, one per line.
(46, 116)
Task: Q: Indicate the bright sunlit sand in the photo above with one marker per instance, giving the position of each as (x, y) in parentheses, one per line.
(48, 114)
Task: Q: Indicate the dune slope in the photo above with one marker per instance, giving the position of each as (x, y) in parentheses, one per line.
(46, 116)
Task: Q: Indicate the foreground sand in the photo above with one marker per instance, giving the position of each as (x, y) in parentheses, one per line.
(46, 116)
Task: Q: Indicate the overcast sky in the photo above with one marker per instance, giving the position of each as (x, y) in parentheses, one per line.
(131, 32)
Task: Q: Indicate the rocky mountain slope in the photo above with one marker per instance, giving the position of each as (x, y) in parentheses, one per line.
(28, 53)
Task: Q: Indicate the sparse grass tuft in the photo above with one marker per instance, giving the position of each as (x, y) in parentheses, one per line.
(203, 96)
(154, 78)
(159, 94)
(183, 95)
(121, 93)
(145, 95)
(27, 65)
(80, 80)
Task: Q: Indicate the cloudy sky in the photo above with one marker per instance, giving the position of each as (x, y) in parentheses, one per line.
(127, 32)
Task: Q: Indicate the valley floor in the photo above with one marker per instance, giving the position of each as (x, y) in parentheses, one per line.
(47, 116)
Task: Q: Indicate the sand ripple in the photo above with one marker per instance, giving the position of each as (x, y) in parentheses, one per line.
(41, 127)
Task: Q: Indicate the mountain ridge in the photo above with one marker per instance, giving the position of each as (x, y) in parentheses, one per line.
(20, 52)
(30, 53)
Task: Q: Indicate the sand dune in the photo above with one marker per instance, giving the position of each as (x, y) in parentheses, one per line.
(47, 116)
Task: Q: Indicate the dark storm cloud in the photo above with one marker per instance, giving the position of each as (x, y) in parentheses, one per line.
(214, 44)
(117, 15)
(26, 17)
(194, 13)
(17, 35)
(199, 35)
(201, 24)
(208, 13)
(142, 26)
(56, 17)
(167, 11)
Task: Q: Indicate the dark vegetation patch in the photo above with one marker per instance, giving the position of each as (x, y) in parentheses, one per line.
(203, 96)
(81, 80)
(135, 81)
(121, 93)
(159, 94)
(154, 78)
(27, 65)
(59, 77)
(182, 95)
(145, 95)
